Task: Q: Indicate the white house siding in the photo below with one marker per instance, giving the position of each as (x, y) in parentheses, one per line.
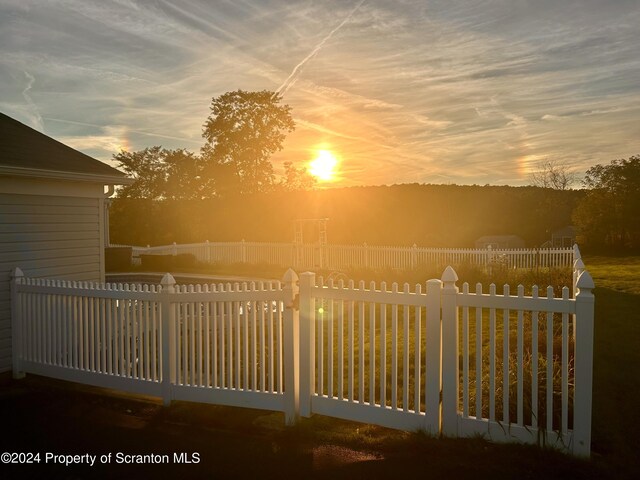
(46, 236)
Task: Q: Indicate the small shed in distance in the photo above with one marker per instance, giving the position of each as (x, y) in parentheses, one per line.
(564, 237)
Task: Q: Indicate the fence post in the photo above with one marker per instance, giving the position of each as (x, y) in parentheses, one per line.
(168, 318)
(207, 254)
(243, 251)
(433, 356)
(583, 366)
(16, 324)
(449, 353)
(291, 323)
(307, 342)
(174, 249)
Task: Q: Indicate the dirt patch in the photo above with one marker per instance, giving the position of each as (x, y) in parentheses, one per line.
(332, 456)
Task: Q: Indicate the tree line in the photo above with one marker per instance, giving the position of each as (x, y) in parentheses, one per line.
(228, 191)
(427, 215)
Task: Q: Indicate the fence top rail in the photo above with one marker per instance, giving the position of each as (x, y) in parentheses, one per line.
(567, 250)
(505, 300)
(77, 285)
(85, 288)
(408, 295)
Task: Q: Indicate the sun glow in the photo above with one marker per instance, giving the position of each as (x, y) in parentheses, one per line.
(323, 166)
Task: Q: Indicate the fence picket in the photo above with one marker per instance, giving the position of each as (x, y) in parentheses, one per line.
(549, 360)
(505, 359)
(492, 357)
(534, 362)
(372, 349)
(520, 361)
(478, 376)
(394, 351)
(465, 353)
(417, 349)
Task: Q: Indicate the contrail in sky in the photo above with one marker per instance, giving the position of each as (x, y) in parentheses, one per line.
(291, 79)
(37, 119)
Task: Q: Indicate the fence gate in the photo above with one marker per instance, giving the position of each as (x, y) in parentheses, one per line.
(371, 355)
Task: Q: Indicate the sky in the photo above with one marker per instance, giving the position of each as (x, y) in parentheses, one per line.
(404, 91)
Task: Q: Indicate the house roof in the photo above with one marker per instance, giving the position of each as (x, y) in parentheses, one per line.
(27, 152)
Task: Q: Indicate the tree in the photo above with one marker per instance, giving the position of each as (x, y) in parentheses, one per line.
(553, 174)
(296, 178)
(242, 131)
(609, 215)
(183, 175)
(554, 208)
(160, 174)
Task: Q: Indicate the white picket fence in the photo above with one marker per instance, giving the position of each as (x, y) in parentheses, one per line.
(337, 257)
(439, 360)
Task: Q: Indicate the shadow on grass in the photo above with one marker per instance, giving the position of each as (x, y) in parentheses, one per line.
(42, 415)
(616, 382)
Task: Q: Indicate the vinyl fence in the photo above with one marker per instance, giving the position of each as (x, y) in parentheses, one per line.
(337, 257)
(508, 367)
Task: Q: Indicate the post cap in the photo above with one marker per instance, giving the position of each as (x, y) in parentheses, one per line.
(167, 280)
(17, 273)
(290, 276)
(585, 281)
(449, 275)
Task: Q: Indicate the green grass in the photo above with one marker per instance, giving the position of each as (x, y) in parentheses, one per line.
(621, 274)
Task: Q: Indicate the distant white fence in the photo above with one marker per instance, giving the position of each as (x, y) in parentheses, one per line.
(337, 257)
(439, 360)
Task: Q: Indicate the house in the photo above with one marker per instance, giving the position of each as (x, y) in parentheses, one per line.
(500, 241)
(52, 213)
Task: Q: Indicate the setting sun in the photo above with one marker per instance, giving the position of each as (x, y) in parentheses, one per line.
(323, 166)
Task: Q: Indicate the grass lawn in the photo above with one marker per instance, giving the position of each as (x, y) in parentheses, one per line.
(621, 274)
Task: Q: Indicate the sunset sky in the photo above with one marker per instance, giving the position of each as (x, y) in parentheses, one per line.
(446, 91)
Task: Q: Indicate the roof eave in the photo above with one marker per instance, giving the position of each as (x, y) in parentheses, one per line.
(60, 175)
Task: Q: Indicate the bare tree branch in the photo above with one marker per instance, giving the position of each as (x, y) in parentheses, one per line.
(553, 174)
